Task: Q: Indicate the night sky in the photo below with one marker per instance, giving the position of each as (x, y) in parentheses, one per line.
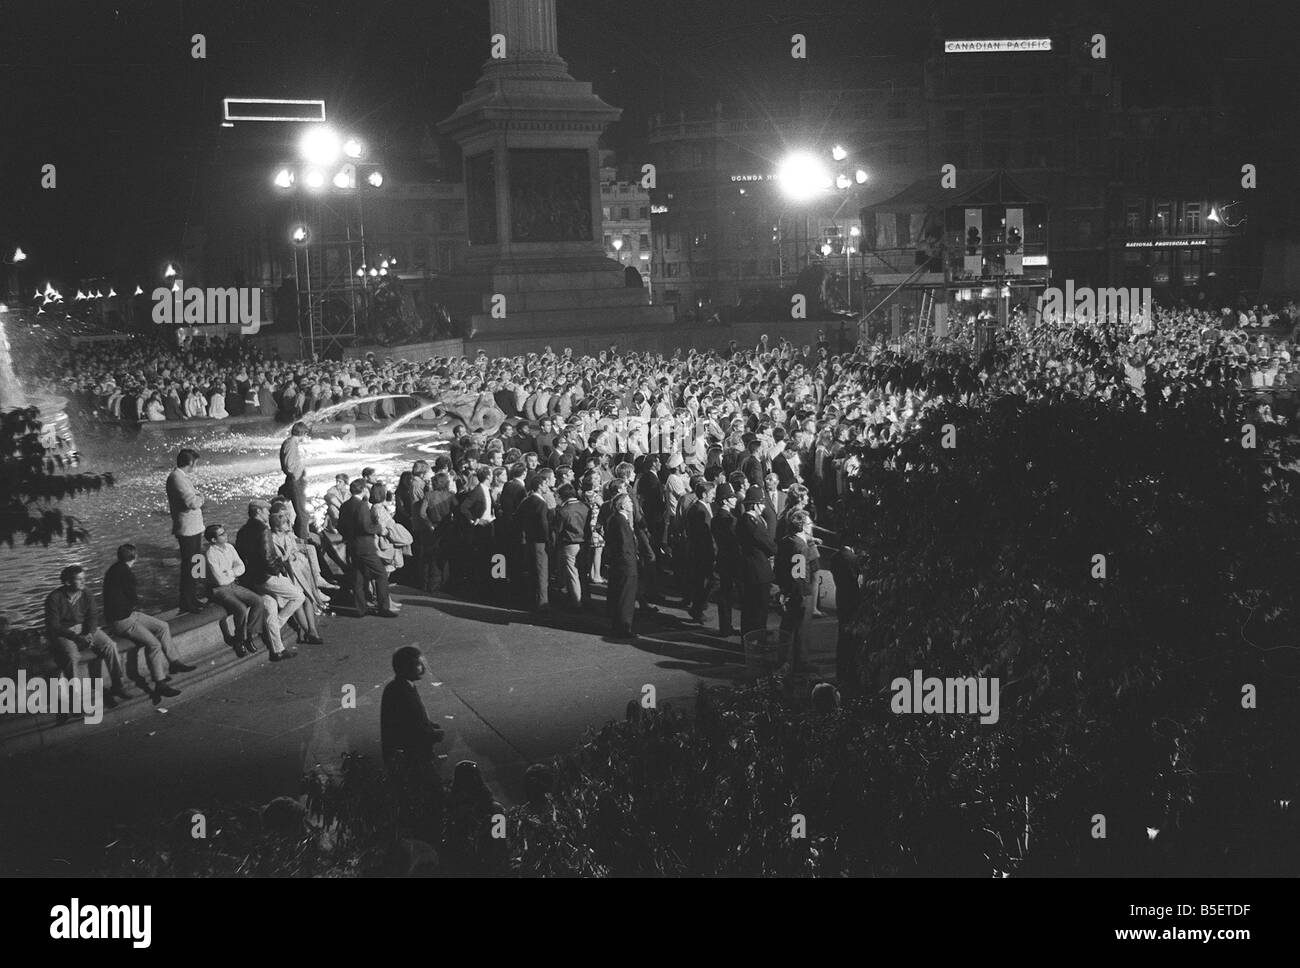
(108, 91)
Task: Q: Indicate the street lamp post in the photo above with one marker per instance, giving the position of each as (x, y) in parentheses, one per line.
(19, 257)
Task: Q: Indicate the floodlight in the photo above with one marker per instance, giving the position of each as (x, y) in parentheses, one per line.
(801, 176)
(320, 145)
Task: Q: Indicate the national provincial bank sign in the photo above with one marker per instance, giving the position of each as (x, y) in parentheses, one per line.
(997, 45)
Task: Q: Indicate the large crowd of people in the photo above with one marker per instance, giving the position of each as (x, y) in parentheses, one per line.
(645, 478)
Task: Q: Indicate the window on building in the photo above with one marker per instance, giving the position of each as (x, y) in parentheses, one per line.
(1192, 217)
(1164, 216)
(446, 256)
(605, 212)
(1133, 219)
(672, 269)
(643, 212)
(627, 242)
(671, 296)
(703, 297)
(700, 240)
(643, 240)
(609, 241)
(702, 270)
(625, 213)
(697, 156)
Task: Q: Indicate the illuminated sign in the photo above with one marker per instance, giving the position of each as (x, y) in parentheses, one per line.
(1166, 244)
(752, 178)
(996, 46)
(271, 109)
(658, 209)
(1035, 260)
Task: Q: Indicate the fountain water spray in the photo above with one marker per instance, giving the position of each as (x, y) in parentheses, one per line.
(317, 415)
(404, 420)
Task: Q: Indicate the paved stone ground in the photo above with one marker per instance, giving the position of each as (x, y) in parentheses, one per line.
(509, 690)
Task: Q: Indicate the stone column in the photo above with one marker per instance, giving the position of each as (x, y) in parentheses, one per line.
(531, 39)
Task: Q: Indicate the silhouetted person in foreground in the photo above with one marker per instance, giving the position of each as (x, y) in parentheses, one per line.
(405, 731)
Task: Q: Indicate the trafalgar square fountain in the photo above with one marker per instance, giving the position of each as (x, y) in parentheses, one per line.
(237, 464)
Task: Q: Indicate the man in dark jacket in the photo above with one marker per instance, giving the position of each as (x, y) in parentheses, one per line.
(406, 735)
(570, 525)
(794, 575)
(621, 557)
(753, 466)
(723, 529)
(264, 574)
(359, 527)
(653, 500)
(700, 550)
(124, 619)
(532, 522)
(756, 551)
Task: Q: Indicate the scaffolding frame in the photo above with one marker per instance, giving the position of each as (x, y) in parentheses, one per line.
(331, 298)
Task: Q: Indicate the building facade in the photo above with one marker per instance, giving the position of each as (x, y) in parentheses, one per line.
(1112, 194)
(625, 209)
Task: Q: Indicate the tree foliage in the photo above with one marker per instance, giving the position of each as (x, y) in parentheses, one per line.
(34, 481)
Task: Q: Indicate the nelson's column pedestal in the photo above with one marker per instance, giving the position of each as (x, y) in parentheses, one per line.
(528, 132)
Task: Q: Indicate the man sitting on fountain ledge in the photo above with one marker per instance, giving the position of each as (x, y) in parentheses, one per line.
(127, 621)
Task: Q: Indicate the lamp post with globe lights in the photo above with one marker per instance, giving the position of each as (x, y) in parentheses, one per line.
(804, 177)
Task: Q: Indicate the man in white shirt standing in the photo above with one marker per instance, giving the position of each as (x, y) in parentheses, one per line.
(186, 508)
(295, 476)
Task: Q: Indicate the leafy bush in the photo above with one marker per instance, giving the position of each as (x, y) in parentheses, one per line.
(33, 483)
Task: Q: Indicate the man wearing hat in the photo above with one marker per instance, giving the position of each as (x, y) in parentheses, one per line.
(756, 550)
